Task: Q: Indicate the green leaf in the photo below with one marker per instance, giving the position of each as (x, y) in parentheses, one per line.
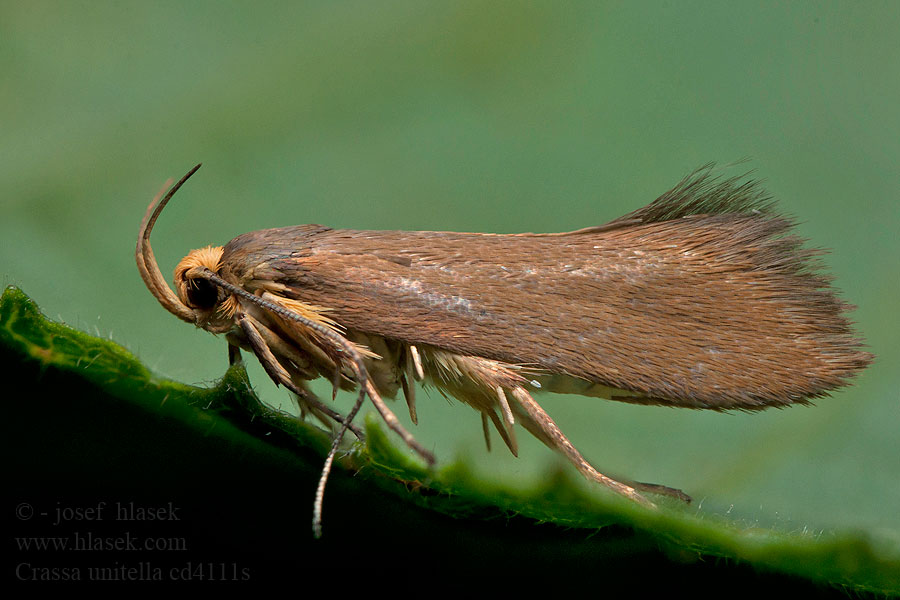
(95, 425)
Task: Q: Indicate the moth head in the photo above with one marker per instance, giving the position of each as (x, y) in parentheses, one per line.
(198, 300)
(212, 306)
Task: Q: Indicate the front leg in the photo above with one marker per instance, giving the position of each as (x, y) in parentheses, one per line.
(277, 372)
(234, 350)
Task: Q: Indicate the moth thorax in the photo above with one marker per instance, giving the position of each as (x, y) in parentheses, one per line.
(195, 292)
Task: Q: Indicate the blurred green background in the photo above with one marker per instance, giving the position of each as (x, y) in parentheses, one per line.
(473, 116)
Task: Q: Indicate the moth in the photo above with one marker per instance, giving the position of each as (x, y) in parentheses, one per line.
(702, 299)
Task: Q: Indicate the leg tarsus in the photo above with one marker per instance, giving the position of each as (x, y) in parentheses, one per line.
(545, 429)
(394, 425)
(508, 434)
(234, 355)
(409, 392)
(486, 430)
(280, 375)
(662, 490)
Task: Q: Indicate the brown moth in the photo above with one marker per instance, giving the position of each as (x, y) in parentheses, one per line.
(702, 299)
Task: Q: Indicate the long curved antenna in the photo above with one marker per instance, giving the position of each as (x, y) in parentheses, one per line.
(146, 261)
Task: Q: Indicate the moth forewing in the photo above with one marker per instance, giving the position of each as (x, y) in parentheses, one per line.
(701, 299)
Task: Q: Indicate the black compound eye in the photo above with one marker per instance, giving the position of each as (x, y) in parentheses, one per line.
(202, 294)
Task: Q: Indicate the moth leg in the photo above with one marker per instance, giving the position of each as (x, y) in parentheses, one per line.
(300, 400)
(483, 384)
(285, 352)
(542, 426)
(234, 353)
(478, 382)
(339, 345)
(393, 423)
(507, 435)
(655, 488)
(504, 406)
(409, 392)
(486, 429)
(335, 383)
(293, 362)
(416, 361)
(279, 374)
(299, 367)
(309, 404)
(370, 380)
